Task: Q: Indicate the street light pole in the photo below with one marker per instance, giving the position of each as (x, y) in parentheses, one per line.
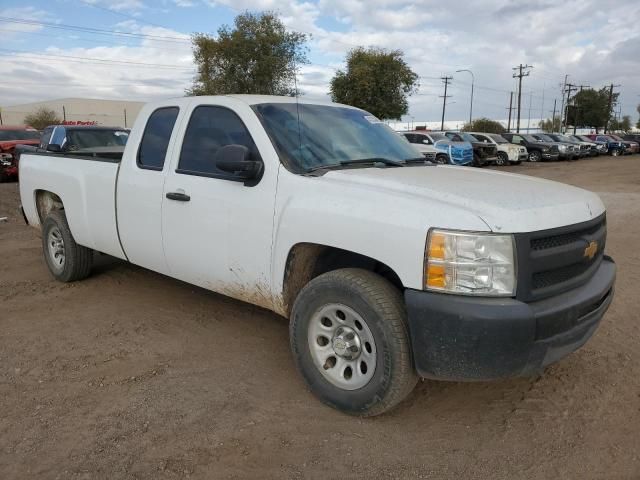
(472, 82)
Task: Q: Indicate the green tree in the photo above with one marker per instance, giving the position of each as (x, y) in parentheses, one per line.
(638, 124)
(375, 80)
(623, 125)
(257, 55)
(591, 108)
(41, 118)
(484, 125)
(551, 125)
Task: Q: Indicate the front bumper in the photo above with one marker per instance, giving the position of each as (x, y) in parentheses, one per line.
(458, 337)
(550, 156)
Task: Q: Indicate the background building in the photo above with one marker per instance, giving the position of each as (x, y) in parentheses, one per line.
(113, 113)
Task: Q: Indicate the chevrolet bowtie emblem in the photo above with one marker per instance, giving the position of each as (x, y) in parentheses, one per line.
(591, 250)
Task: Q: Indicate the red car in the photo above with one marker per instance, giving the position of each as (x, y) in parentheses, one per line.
(10, 136)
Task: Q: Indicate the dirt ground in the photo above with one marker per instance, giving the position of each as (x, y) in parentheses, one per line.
(130, 374)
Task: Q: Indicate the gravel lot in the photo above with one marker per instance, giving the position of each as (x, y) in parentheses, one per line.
(130, 374)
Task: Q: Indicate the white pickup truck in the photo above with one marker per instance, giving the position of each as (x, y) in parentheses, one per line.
(389, 268)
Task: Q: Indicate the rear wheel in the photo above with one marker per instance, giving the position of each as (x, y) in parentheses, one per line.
(535, 156)
(350, 341)
(503, 159)
(67, 261)
(442, 159)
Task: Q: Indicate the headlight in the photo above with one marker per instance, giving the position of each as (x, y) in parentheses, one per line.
(470, 263)
(545, 149)
(562, 147)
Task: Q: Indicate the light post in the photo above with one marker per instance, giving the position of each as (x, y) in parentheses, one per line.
(472, 82)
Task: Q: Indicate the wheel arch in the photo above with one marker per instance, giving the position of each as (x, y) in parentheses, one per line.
(306, 261)
(45, 202)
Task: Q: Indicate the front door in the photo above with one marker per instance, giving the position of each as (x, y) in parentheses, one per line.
(217, 232)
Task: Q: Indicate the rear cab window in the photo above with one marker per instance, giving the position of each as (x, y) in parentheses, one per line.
(156, 137)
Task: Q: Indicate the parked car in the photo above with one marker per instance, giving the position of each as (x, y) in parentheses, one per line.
(634, 137)
(83, 138)
(507, 152)
(595, 148)
(614, 147)
(438, 148)
(581, 149)
(567, 150)
(537, 150)
(630, 146)
(483, 154)
(387, 269)
(10, 138)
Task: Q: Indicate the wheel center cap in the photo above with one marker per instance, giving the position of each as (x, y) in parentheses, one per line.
(346, 343)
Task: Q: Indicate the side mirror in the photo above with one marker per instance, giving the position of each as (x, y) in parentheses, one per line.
(235, 159)
(54, 147)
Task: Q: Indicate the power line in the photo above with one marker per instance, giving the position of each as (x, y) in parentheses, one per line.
(97, 31)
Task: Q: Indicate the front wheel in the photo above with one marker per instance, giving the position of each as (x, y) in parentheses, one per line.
(350, 341)
(67, 261)
(503, 159)
(535, 156)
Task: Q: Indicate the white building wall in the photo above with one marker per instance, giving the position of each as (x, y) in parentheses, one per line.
(113, 113)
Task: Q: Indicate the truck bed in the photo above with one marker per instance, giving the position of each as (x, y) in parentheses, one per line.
(85, 184)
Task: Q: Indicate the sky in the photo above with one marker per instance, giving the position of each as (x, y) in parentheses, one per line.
(140, 49)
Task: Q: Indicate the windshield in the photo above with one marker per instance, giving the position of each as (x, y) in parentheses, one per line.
(468, 137)
(564, 138)
(81, 139)
(328, 135)
(544, 138)
(616, 137)
(498, 138)
(531, 138)
(8, 135)
(437, 136)
(584, 139)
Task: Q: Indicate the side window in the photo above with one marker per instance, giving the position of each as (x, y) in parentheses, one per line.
(211, 128)
(411, 137)
(155, 139)
(58, 136)
(46, 135)
(518, 139)
(424, 139)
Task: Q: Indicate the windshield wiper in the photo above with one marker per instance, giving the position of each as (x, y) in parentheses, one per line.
(424, 160)
(361, 161)
(373, 160)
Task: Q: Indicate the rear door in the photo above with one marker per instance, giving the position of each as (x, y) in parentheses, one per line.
(141, 185)
(217, 231)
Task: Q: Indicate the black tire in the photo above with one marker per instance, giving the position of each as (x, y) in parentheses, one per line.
(382, 308)
(76, 259)
(503, 159)
(535, 156)
(442, 159)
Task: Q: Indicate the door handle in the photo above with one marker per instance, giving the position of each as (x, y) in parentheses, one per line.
(179, 196)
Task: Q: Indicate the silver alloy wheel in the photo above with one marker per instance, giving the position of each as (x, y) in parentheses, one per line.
(342, 346)
(55, 242)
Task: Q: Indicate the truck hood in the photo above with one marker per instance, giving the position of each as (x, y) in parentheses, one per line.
(505, 202)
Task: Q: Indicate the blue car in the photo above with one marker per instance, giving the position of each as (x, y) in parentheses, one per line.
(437, 147)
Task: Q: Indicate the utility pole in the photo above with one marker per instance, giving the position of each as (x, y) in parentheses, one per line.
(610, 104)
(553, 116)
(523, 71)
(564, 87)
(510, 109)
(576, 109)
(568, 89)
(446, 81)
(529, 117)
